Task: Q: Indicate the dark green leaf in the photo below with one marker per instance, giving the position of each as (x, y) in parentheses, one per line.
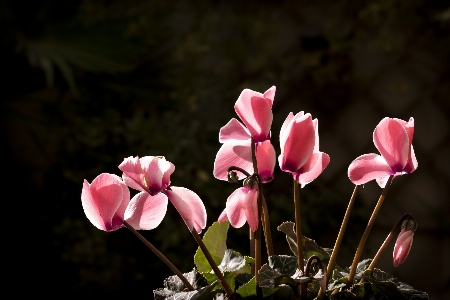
(248, 289)
(173, 284)
(215, 240)
(286, 265)
(204, 293)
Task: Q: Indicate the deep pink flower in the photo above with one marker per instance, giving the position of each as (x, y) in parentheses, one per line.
(393, 138)
(299, 142)
(106, 203)
(152, 175)
(402, 246)
(255, 111)
(242, 207)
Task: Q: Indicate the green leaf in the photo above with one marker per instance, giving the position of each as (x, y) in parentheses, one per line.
(173, 284)
(270, 278)
(310, 247)
(204, 293)
(215, 240)
(284, 264)
(248, 289)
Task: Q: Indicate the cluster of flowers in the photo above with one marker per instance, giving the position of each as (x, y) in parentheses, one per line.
(247, 148)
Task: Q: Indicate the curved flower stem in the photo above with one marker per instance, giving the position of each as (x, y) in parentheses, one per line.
(160, 256)
(233, 168)
(338, 242)
(266, 224)
(298, 231)
(362, 242)
(308, 264)
(388, 240)
(212, 263)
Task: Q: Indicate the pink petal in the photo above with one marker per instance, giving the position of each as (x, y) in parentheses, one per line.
(316, 128)
(233, 130)
(368, 167)
(153, 173)
(412, 163)
(125, 197)
(382, 181)
(266, 158)
(256, 113)
(101, 200)
(189, 206)
(392, 141)
(235, 207)
(146, 211)
(223, 216)
(132, 173)
(297, 144)
(312, 168)
(402, 246)
(167, 168)
(283, 133)
(251, 208)
(270, 95)
(233, 153)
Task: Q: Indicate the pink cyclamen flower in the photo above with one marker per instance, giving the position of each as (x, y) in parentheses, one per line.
(255, 111)
(106, 203)
(393, 139)
(242, 207)
(299, 142)
(152, 175)
(402, 246)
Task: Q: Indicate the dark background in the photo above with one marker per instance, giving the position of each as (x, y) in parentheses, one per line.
(88, 83)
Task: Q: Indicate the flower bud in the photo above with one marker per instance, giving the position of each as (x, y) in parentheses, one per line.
(404, 241)
(232, 177)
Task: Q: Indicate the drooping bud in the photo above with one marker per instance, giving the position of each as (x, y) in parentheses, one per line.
(232, 177)
(251, 182)
(404, 241)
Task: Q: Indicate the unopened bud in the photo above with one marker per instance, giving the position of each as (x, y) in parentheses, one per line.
(251, 182)
(403, 246)
(232, 177)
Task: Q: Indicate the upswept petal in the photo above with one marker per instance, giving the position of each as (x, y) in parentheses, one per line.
(315, 165)
(235, 207)
(368, 167)
(408, 126)
(299, 144)
(189, 206)
(316, 128)
(266, 158)
(233, 153)
(132, 173)
(283, 132)
(153, 173)
(251, 208)
(146, 211)
(167, 168)
(223, 216)
(256, 114)
(392, 141)
(269, 95)
(125, 197)
(101, 199)
(233, 130)
(412, 163)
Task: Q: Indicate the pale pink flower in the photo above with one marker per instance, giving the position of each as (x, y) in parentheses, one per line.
(393, 139)
(255, 111)
(152, 175)
(106, 203)
(402, 246)
(299, 142)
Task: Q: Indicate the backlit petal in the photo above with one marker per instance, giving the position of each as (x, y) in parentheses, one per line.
(269, 95)
(251, 208)
(233, 130)
(368, 167)
(233, 153)
(189, 206)
(153, 173)
(312, 168)
(256, 113)
(132, 173)
(392, 141)
(235, 207)
(146, 211)
(266, 158)
(223, 216)
(402, 246)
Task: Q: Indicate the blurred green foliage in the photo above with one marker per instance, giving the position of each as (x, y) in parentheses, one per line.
(88, 83)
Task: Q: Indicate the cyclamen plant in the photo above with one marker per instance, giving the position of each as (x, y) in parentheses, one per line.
(247, 154)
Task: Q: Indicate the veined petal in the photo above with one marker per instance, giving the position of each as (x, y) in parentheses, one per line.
(125, 198)
(146, 211)
(235, 210)
(251, 208)
(266, 158)
(392, 141)
(269, 95)
(256, 113)
(132, 173)
(315, 165)
(153, 173)
(283, 132)
(233, 153)
(189, 206)
(368, 167)
(299, 143)
(101, 199)
(167, 168)
(233, 130)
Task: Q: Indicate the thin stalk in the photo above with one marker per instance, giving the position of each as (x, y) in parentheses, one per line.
(338, 242)
(298, 231)
(388, 240)
(266, 224)
(363, 240)
(258, 230)
(160, 256)
(251, 234)
(212, 263)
